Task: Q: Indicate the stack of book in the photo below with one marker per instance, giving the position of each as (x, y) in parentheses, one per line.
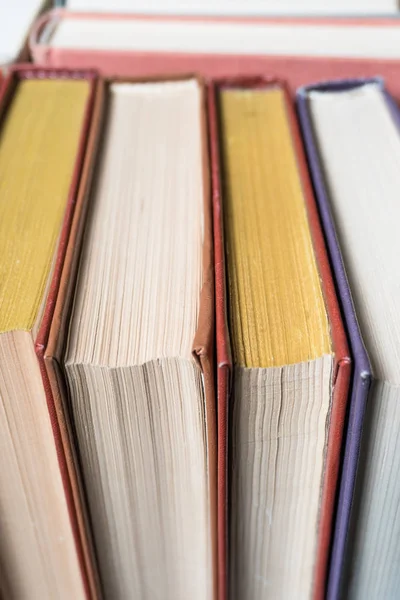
(199, 331)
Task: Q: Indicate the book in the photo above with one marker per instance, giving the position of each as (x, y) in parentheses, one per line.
(43, 550)
(343, 120)
(361, 378)
(139, 45)
(290, 362)
(237, 7)
(137, 296)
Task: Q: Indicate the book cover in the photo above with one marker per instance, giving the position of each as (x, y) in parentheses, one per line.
(16, 77)
(347, 48)
(224, 361)
(203, 343)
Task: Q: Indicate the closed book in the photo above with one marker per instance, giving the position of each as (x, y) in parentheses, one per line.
(265, 195)
(306, 49)
(135, 357)
(358, 202)
(45, 550)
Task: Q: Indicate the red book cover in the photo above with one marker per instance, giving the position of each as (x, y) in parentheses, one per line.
(62, 441)
(342, 368)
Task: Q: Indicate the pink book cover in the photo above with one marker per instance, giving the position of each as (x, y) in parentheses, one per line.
(296, 70)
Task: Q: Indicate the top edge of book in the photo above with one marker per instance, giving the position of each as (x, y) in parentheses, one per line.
(35, 314)
(252, 121)
(157, 86)
(339, 94)
(319, 90)
(354, 85)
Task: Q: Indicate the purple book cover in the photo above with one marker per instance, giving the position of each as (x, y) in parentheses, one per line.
(362, 373)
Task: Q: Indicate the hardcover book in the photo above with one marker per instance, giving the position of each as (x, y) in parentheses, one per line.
(290, 366)
(45, 550)
(351, 132)
(140, 45)
(136, 351)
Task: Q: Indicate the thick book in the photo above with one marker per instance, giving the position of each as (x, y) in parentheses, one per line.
(46, 549)
(351, 131)
(140, 45)
(249, 332)
(135, 356)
